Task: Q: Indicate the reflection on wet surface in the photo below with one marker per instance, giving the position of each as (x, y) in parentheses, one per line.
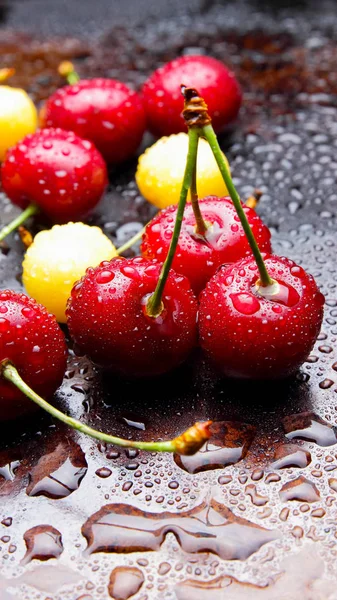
(210, 527)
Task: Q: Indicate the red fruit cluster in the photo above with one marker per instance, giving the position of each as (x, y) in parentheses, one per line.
(107, 317)
(198, 257)
(214, 81)
(105, 111)
(57, 170)
(252, 336)
(31, 339)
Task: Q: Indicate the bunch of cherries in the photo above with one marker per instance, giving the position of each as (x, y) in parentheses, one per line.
(256, 315)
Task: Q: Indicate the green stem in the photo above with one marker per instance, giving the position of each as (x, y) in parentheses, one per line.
(201, 226)
(31, 210)
(208, 133)
(73, 77)
(179, 444)
(154, 305)
(131, 241)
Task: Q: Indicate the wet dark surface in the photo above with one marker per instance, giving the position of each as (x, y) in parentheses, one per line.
(264, 527)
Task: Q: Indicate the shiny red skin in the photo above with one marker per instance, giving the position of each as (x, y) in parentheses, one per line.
(105, 111)
(268, 339)
(31, 339)
(196, 258)
(164, 103)
(108, 322)
(57, 170)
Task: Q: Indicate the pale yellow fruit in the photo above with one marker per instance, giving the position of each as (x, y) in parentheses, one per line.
(161, 169)
(18, 117)
(59, 257)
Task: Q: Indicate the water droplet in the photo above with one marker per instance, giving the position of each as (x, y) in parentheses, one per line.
(103, 472)
(326, 384)
(256, 498)
(125, 582)
(289, 455)
(42, 542)
(309, 426)
(105, 276)
(59, 473)
(245, 303)
(301, 490)
(209, 527)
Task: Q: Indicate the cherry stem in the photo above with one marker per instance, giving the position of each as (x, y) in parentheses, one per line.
(67, 70)
(189, 442)
(6, 73)
(138, 236)
(201, 226)
(209, 134)
(31, 210)
(154, 304)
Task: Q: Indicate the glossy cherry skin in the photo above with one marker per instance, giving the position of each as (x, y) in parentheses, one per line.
(249, 336)
(214, 81)
(33, 342)
(198, 258)
(107, 318)
(57, 170)
(105, 111)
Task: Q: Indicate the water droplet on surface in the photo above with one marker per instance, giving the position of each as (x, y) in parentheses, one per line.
(333, 484)
(8, 471)
(256, 498)
(326, 384)
(297, 575)
(300, 489)
(311, 427)
(59, 473)
(125, 582)
(209, 527)
(164, 568)
(245, 303)
(289, 455)
(42, 542)
(105, 276)
(103, 472)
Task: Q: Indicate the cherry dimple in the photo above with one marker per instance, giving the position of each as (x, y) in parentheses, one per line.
(250, 334)
(198, 257)
(114, 328)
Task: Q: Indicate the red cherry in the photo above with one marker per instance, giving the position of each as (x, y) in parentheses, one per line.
(250, 336)
(108, 321)
(198, 258)
(214, 81)
(105, 111)
(31, 339)
(57, 170)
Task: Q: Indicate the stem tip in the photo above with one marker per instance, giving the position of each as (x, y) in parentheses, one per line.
(191, 440)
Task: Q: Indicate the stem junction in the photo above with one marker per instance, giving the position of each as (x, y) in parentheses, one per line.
(66, 69)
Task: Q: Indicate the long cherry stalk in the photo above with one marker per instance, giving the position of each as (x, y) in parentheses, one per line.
(189, 442)
(154, 305)
(201, 121)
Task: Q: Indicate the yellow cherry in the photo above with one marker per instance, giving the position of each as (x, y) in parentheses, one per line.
(161, 170)
(58, 257)
(18, 117)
